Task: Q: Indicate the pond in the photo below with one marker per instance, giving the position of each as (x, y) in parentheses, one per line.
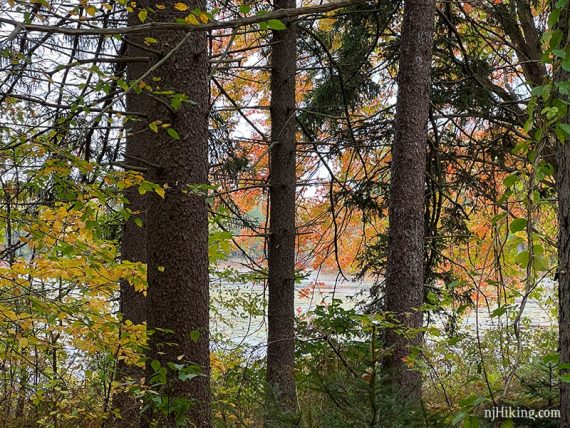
(249, 330)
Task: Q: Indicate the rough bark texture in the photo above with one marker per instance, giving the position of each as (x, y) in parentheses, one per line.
(133, 239)
(405, 271)
(177, 226)
(563, 184)
(281, 311)
(563, 188)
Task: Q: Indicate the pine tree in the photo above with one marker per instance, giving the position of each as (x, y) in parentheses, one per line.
(405, 270)
(281, 261)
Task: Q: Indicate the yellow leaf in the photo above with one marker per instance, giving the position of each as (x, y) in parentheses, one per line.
(160, 268)
(91, 10)
(204, 18)
(181, 7)
(191, 19)
(160, 192)
(24, 342)
(160, 6)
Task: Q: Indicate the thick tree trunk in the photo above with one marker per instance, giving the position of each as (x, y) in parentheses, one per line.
(281, 311)
(133, 238)
(563, 188)
(177, 225)
(405, 269)
(563, 184)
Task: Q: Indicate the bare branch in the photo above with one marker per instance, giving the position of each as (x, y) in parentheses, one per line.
(173, 26)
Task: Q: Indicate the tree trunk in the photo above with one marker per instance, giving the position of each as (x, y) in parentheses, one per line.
(405, 268)
(177, 225)
(281, 262)
(133, 238)
(563, 188)
(563, 184)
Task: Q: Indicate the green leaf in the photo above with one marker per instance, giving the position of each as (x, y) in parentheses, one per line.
(275, 24)
(565, 128)
(143, 15)
(186, 376)
(564, 87)
(244, 8)
(177, 100)
(522, 259)
(471, 422)
(501, 310)
(155, 365)
(194, 335)
(539, 90)
(123, 85)
(138, 221)
(538, 249)
(540, 263)
(458, 418)
(454, 340)
(553, 18)
(554, 39)
(510, 180)
(160, 191)
(550, 112)
(175, 366)
(173, 134)
(551, 358)
(546, 170)
(518, 224)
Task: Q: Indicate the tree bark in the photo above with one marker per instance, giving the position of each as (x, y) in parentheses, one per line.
(405, 267)
(177, 225)
(132, 304)
(563, 188)
(281, 261)
(563, 184)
